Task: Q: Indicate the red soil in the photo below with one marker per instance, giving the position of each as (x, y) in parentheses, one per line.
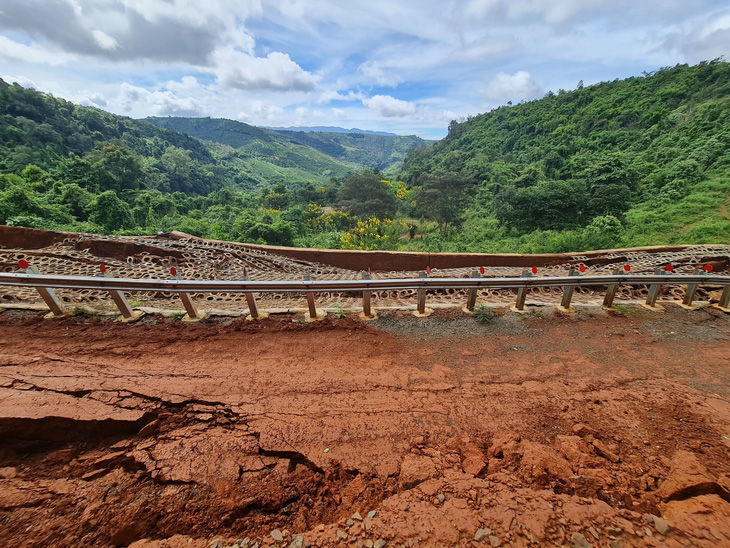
(583, 429)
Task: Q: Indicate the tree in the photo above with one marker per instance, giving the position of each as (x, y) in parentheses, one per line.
(443, 198)
(366, 195)
(611, 183)
(111, 212)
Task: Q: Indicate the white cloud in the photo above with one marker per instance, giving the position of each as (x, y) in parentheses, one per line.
(372, 71)
(388, 106)
(338, 113)
(159, 103)
(260, 112)
(104, 40)
(276, 72)
(22, 80)
(515, 87)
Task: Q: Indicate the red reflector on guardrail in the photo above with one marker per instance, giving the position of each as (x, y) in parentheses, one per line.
(22, 263)
(173, 271)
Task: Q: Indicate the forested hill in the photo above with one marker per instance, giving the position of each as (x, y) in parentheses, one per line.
(652, 152)
(368, 150)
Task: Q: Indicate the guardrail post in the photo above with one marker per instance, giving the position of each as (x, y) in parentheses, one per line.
(366, 311)
(192, 313)
(421, 306)
(522, 291)
(653, 291)
(128, 315)
(689, 295)
(253, 309)
(611, 291)
(46, 293)
(312, 314)
(725, 298)
(471, 301)
(568, 290)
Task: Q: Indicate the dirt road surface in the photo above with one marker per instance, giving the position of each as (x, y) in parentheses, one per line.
(542, 429)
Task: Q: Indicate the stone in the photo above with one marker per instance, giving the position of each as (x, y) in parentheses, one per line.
(688, 478)
(350, 522)
(357, 516)
(661, 525)
(372, 513)
(582, 430)
(367, 523)
(297, 542)
(8, 472)
(614, 531)
(149, 428)
(605, 452)
(441, 497)
(415, 469)
(579, 541)
(277, 535)
(379, 543)
(494, 541)
(216, 543)
(481, 533)
(592, 531)
(340, 534)
(474, 465)
(94, 474)
(368, 543)
(243, 543)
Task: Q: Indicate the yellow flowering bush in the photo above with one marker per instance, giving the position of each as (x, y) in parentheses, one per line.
(325, 221)
(372, 234)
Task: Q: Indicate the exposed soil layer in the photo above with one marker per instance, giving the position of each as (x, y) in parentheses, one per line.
(587, 429)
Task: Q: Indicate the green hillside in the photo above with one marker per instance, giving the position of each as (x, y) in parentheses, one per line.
(639, 161)
(642, 161)
(354, 149)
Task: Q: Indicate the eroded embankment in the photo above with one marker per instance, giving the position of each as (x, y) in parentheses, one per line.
(583, 428)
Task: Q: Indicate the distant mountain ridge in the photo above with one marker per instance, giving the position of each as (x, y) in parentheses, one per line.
(364, 150)
(332, 129)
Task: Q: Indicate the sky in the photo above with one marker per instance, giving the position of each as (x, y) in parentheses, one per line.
(403, 66)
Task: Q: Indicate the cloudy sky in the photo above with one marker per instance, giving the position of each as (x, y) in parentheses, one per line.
(405, 66)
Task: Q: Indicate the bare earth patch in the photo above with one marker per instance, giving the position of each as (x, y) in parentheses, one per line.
(588, 429)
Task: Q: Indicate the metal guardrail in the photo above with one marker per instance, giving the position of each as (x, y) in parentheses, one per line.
(45, 283)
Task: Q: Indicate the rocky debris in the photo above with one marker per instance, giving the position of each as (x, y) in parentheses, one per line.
(583, 431)
(579, 541)
(695, 515)
(688, 478)
(494, 541)
(604, 451)
(372, 513)
(8, 472)
(276, 535)
(415, 469)
(357, 516)
(481, 533)
(380, 543)
(660, 525)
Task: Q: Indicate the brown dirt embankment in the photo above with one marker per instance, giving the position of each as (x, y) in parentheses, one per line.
(587, 429)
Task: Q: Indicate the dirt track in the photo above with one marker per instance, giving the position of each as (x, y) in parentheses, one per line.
(549, 430)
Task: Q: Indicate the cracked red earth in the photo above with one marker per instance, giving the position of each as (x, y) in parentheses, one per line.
(589, 429)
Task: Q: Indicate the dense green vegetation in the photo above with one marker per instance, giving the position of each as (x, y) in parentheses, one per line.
(381, 152)
(642, 161)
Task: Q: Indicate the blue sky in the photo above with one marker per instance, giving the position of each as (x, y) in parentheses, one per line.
(408, 67)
